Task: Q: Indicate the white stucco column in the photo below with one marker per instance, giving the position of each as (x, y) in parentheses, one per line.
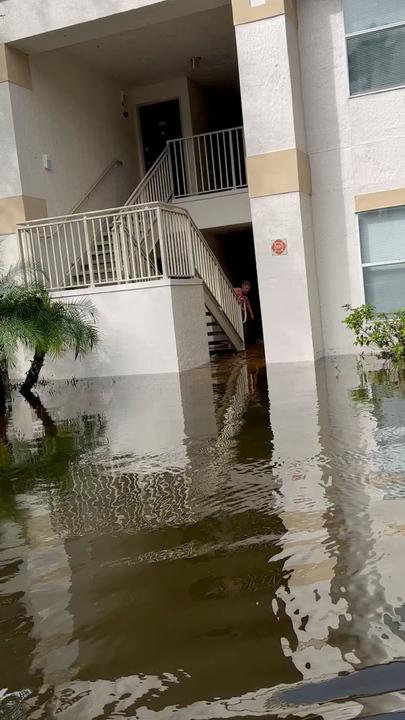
(279, 177)
(15, 151)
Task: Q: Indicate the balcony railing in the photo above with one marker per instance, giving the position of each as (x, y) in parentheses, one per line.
(208, 163)
(96, 248)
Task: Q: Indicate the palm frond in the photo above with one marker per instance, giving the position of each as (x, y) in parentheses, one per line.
(20, 274)
(29, 315)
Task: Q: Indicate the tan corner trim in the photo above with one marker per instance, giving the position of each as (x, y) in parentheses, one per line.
(379, 200)
(14, 66)
(279, 172)
(14, 210)
(244, 11)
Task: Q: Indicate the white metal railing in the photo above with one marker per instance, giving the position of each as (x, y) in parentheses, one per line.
(210, 271)
(96, 248)
(128, 244)
(195, 165)
(157, 185)
(187, 254)
(209, 162)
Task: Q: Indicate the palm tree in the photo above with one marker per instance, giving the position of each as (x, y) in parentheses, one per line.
(16, 325)
(63, 326)
(30, 317)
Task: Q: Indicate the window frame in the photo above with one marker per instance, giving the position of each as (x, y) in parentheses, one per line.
(383, 263)
(360, 33)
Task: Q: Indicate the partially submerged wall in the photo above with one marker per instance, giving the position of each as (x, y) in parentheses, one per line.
(145, 328)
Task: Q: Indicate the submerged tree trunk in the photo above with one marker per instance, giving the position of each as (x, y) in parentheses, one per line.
(3, 405)
(40, 411)
(32, 375)
(34, 401)
(3, 395)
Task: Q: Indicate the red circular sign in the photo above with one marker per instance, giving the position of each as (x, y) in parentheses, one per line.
(278, 247)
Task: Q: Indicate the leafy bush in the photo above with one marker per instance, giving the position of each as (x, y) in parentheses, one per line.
(384, 332)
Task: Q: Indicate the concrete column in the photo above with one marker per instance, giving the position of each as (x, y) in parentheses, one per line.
(279, 177)
(16, 150)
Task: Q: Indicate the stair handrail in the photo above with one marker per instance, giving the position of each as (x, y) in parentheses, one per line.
(106, 171)
(219, 286)
(114, 163)
(158, 182)
(147, 181)
(136, 197)
(236, 318)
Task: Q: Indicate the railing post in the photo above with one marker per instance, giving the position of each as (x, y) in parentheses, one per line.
(22, 254)
(170, 170)
(232, 159)
(218, 286)
(116, 251)
(190, 246)
(124, 248)
(162, 242)
(88, 251)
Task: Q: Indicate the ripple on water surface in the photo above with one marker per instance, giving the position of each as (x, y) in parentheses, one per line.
(226, 544)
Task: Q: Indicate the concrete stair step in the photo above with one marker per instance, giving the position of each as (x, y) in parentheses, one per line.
(218, 342)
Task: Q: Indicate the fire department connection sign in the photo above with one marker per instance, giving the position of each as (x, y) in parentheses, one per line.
(279, 247)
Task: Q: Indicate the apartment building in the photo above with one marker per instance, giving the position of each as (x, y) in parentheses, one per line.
(156, 153)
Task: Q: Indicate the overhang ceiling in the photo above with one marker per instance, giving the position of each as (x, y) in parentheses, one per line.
(162, 51)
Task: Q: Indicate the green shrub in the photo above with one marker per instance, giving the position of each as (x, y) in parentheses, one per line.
(385, 333)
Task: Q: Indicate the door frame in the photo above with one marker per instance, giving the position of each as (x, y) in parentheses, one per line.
(139, 139)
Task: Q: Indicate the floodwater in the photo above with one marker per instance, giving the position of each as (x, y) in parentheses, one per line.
(228, 544)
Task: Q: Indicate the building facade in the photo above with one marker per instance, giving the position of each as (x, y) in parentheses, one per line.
(237, 125)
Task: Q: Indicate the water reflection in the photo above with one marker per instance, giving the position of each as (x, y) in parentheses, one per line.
(218, 545)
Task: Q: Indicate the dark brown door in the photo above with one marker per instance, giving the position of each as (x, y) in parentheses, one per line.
(159, 123)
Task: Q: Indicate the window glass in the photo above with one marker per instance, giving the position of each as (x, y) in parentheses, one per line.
(384, 287)
(382, 240)
(367, 14)
(376, 60)
(382, 235)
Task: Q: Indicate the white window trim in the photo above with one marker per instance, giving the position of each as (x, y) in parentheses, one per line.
(383, 262)
(358, 33)
(392, 88)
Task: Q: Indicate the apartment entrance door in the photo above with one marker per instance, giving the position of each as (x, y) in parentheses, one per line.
(159, 123)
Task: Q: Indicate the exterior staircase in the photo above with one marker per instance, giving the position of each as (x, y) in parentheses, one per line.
(218, 341)
(149, 237)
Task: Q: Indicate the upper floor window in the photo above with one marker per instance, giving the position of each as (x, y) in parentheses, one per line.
(382, 239)
(375, 36)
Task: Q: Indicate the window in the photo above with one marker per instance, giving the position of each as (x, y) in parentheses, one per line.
(382, 240)
(375, 37)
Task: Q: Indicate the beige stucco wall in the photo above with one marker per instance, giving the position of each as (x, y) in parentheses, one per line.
(76, 119)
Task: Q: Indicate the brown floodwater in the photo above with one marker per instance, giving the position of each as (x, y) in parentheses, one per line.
(225, 544)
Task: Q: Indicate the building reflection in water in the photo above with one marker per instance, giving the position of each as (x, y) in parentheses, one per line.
(219, 563)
